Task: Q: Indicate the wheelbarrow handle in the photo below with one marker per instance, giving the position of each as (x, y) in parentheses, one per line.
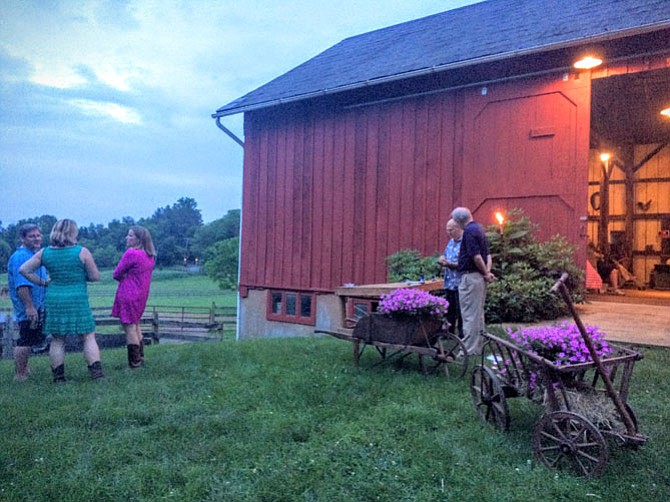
(561, 281)
(562, 291)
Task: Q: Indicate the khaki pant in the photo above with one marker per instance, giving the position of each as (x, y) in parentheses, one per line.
(472, 295)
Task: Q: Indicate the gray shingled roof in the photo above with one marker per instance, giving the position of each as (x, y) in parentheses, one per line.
(486, 31)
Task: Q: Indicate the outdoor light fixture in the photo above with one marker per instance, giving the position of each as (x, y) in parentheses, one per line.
(588, 62)
(604, 157)
(666, 112)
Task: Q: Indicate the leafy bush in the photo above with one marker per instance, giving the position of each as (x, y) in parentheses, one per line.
(221, 262)
(526, 270)
(409, 265)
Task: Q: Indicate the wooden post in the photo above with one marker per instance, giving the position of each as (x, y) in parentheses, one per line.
(628, 158)
(155, 323)
(212, 313)
(603, 225)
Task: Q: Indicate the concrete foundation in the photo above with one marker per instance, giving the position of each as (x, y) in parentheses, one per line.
(253, 322)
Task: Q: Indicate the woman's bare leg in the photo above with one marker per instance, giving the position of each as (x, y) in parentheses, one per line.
(91, 349)
(57, 351)
(132, 331)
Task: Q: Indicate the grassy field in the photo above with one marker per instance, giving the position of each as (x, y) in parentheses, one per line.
(292, 420)
(170, 287)
(289, 420)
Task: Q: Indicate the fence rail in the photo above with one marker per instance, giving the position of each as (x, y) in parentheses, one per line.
(185, 323)
(171, 323)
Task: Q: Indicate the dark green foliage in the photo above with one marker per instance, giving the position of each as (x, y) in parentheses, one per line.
(5, 253)
(222, 262)
(107, 256)
(218, 230)
(179, 235)
(526, 270)
(409, 265)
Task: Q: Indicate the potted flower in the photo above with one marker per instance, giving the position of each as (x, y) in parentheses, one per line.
(405, 316)
(562, 345)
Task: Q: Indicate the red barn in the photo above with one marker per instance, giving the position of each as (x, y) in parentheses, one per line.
(364, 149)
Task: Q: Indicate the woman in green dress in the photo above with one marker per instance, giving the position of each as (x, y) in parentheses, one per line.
(68, 313)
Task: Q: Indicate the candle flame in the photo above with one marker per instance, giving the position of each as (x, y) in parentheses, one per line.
(500, 218)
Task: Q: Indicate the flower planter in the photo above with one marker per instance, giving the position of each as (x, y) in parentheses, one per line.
(398, 329)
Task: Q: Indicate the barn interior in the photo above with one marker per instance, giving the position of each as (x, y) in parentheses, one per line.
(629, 192)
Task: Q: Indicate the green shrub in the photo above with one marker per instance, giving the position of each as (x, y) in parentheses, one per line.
(526, 269)
(409, 265)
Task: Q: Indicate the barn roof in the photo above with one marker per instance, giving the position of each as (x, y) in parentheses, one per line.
(483, 32)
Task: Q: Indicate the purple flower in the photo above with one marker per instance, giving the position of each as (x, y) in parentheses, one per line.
(410, 301)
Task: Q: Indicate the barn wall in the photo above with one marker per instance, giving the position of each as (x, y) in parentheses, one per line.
(525, 145)
(328, 196)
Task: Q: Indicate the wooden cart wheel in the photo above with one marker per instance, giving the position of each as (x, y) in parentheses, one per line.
(566, 440)
(452, 355)
(489, 398)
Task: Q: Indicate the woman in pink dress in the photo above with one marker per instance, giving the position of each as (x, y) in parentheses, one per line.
(134, 275)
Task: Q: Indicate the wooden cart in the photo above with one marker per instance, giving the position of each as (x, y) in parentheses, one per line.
(397, 338)
(584, 403)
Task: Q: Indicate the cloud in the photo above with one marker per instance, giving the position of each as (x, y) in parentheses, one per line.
(106, 103)
(115, 111)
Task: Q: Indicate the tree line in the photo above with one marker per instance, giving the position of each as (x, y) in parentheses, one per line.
(178, 232)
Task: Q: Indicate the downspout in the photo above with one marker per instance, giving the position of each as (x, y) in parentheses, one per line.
(239, 250)
(229, 132)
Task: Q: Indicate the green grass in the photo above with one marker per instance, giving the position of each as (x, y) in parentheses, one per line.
(292, 420)
(169, 287)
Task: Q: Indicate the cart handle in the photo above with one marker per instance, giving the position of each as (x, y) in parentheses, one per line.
(561, 281)
(562, 290)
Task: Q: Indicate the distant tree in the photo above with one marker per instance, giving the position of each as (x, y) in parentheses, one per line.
(11, 234)
(222, 261)
(218, 230)
(5, 253)
(106, 256)
(173, 228)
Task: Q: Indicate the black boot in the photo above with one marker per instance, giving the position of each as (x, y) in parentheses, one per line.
(142, 350)
(95, 370)
(134, 360)
(59, 373)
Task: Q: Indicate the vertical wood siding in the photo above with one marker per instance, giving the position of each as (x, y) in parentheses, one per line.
(329, 195)
(526, 146)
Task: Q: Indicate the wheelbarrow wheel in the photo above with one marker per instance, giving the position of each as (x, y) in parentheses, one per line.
(566, 440)
(452, 355)
(489, 398)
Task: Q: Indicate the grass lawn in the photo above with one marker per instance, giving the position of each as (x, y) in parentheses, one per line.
(169, 287)
(292, 420)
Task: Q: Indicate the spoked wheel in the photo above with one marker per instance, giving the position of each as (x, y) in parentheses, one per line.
(566, 440)
(489, 398)
(451, 355)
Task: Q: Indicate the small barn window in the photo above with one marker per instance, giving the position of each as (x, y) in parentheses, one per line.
(356, 308)
(291, 306)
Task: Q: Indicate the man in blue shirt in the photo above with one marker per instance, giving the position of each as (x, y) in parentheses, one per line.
(452, 277)
(474, 264)
(27, 299)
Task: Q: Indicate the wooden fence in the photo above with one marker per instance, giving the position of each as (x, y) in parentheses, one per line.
(178, 323)
(158, 322)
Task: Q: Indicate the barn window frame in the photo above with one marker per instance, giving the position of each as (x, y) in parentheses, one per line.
(296, 307)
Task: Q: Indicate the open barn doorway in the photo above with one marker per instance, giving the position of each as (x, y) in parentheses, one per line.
(629, 192)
